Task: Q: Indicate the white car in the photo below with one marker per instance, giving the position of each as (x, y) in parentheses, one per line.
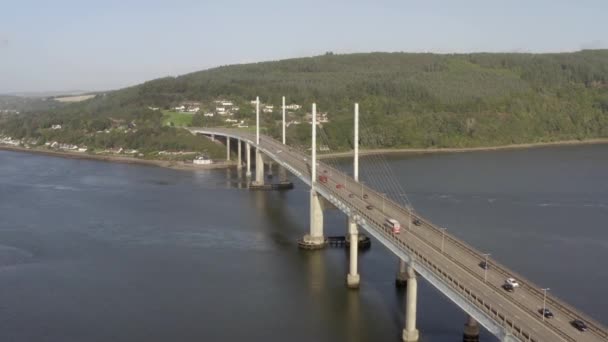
(512, 282)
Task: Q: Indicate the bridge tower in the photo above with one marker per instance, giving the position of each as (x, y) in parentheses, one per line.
(282, 171)
(410, 333)
(314, 240)
(352, 278)
(259, 161)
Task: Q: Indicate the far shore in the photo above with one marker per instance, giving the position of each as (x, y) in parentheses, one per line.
(464, 149)
(177, 165)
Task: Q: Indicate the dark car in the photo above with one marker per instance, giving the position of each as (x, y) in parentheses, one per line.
(508, 287)
(417, 222)
(351, 195)
(580, 325)
(370, 207)
(484, 265)
(365, 196)
(546, 312)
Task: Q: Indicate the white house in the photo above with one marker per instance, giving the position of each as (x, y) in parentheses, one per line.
(180, 108)
(232, 120)
(202, 160)
(56, 127)
(193, 109)
(227, 103)
(208, 114)
(293, 106)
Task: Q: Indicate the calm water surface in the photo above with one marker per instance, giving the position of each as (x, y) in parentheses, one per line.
(93, 251)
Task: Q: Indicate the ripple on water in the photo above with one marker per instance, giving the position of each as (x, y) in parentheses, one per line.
(10, 256)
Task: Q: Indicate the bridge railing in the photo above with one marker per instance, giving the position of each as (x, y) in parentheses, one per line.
(454, 281)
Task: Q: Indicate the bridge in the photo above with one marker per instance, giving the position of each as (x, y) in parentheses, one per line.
(424, 249)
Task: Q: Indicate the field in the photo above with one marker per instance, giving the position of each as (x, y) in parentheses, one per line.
(178, 119)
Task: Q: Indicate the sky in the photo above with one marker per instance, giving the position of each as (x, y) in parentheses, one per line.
(65, 45)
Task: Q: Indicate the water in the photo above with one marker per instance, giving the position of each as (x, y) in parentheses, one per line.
(93, 251)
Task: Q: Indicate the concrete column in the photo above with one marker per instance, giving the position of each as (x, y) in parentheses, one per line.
(353, 278)
(401, 280)
(410, 333)
(239, 161)
(248, 157)
(270, 168)
(227, 148)
(282, 174)
(315, 238)
(471, 330)
(212, 137)
(259, 167)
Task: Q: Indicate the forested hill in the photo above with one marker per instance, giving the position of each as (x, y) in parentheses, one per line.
(406, 99)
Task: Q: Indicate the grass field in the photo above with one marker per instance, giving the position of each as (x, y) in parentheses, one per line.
(178, 119)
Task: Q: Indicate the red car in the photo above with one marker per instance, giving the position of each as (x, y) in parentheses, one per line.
(323, 179)
(339, 186)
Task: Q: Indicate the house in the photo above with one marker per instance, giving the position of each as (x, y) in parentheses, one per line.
(202, 160)
(56, 127)
(180, 108)
(293, 106)
(227, 103)
(208, 114)
(231, 120)
(193, 109)
(220, 110)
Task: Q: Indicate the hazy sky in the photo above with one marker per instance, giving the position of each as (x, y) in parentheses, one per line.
(95, 45)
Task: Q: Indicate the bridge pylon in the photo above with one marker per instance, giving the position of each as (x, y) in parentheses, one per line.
(401, 279)
(248, 159)
(471, 330)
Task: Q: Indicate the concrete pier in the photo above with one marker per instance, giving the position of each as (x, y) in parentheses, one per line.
(270, 168)
(314, 240)
(239, 160)
(259, 168)
(410, 333)
(352, 278)
(471, 330)
(228, 148)
(248, 158)
(401, 279)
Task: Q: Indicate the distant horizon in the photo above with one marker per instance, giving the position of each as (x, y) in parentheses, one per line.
(59, 92)
(112, 44)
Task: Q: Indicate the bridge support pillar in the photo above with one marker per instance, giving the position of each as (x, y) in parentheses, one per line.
(259, 168)
(471, 330)
(410, 333)
(239, 161)
(227, 148)
(314, 240)
(353, 279)
(248, 158)
(401, 280)
(283, 175)
(212, 137)
(270, 168)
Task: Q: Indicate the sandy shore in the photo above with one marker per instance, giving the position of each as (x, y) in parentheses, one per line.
(178, 165)
(466, 149)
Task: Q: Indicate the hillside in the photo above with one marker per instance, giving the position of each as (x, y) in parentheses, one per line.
(406, 100)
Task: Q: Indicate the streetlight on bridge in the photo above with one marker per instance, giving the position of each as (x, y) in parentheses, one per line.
(485, 267)
(544, 301)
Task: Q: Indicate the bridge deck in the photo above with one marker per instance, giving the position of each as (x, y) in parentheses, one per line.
(457, 265)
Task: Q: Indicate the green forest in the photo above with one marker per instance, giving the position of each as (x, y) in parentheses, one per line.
(406, 100)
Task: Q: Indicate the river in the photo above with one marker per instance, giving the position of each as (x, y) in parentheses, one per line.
(95, 251)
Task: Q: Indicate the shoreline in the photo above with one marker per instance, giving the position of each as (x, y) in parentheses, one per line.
(466, 149)
(176, 165)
